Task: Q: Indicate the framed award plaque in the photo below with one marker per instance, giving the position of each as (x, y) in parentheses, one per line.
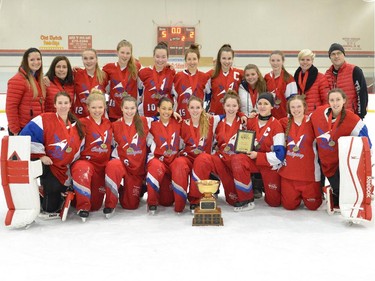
(244, 141)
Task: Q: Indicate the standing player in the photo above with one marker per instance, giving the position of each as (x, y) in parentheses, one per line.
(197, 136)
(189, 82)
(301, 156)
(330, 122)
(224, 77)
(266, 158)
(156, 81)
(91, 77)
(88, 172)
(129, 159)
(56, 139)
(164, 142)
(280, 83)
(251, 86)
(122, 77)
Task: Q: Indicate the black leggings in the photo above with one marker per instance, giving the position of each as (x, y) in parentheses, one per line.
(52, 188)
(335, 184)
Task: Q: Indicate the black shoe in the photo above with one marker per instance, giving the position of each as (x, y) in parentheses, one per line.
(83, 213)
(192, 207)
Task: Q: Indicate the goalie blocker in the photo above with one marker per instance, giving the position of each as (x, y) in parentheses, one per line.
(356, 188)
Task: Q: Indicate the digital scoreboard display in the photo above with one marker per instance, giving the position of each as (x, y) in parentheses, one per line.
(178, 38)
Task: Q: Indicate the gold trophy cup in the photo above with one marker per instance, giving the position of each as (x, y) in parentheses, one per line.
(207, 213)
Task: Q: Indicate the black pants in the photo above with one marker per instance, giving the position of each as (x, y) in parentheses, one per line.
(334, 181)
(52, 188)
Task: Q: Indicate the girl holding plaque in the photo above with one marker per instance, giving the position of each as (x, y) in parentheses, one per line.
(301, 151)
(156, 81)
(122, 77)
(129, 159)
(164, 142)
(267, 156)
(280, 83)
(89, 171)
(224, 77)
(251, 86)
(221, 162)
(56, 139)
(197, 135)
(311, 84)
(330, 122)
(189, 82)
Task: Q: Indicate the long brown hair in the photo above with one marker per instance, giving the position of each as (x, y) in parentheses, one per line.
(231, 94)
(224, 48)
(29, 75)
(261, 84)
(204, 123)
(100, 74)
(137, 118)
(344, 96)
(286, 75)
(290, 116)
(71, 117)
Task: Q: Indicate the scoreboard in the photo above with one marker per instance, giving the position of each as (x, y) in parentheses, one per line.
(178, 38)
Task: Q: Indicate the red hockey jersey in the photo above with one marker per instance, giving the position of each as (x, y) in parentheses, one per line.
(220, 85)
(155, 86)
(301, 160)
(186, 85)
(98, 140)
(130, 148)
(164, 141)
(83, 84)
(120, 81)
(327, 136)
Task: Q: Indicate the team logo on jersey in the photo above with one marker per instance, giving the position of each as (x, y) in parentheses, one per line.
(58, 147)
(100, 146)
(294, 148)
(324, 139)
(132, 148)
(186, 94)
(172, 147)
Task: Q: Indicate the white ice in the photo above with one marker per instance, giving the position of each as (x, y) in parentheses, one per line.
(263, 244)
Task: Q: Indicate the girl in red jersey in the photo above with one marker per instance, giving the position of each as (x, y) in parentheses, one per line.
(251, 86)
(312, 84)
(129, 159)
(280, 83)
(60, 79)
(56, 139)
(164, 142)
(301, 156)
(91, 77)
(189, 82)
(89, 171)
(330, 122)
(26, 92)
(220, 163)
(197, 136)
(266, 158)
(224, 77)
(122, 77)
(156, 81)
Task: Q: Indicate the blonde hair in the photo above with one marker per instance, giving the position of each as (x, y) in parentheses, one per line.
(131, 64)
(286, 73)
(100, 74)
(204, 123)
(95, 95)
(306, 53)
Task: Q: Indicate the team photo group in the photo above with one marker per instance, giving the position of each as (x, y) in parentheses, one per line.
(112, 134)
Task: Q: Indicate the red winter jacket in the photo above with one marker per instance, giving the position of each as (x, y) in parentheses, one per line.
(51, 91)
(20, 106)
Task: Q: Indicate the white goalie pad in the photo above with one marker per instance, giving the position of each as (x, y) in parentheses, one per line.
(356, 186)
(19, 179)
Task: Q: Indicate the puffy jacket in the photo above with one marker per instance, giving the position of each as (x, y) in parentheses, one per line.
(51, 91)
(20, 106)
(316, 89)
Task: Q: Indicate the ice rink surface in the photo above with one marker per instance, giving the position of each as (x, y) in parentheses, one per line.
(263, 244)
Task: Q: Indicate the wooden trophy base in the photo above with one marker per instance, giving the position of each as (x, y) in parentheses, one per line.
(207, 217)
